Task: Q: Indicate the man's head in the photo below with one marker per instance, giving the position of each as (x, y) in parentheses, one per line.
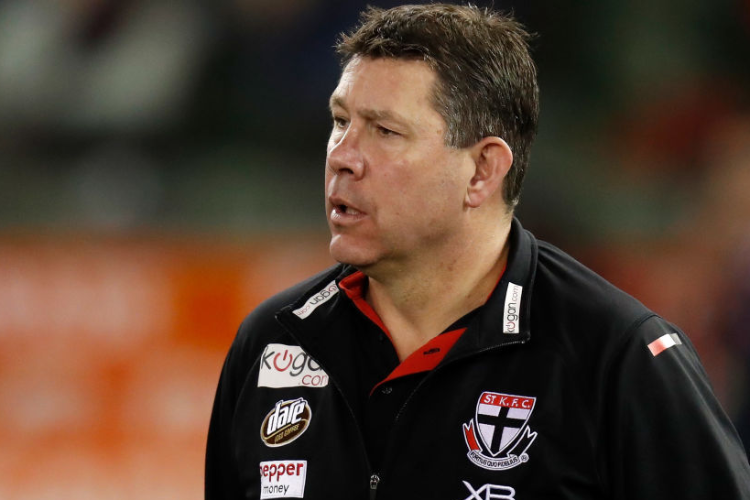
(486, 80)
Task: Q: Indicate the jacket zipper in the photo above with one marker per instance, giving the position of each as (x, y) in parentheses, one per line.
(374, 481)
(374, 477)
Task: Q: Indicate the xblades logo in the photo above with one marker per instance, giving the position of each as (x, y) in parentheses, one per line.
(490, 492)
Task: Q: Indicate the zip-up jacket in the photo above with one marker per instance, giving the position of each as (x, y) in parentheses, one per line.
(561, 387)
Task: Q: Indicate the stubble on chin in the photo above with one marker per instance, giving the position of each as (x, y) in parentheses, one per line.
(362, 258)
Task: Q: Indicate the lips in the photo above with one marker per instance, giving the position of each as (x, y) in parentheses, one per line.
(343, 211)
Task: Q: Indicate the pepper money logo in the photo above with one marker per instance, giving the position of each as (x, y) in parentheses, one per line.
(503, 435)
(287, 421)
(283, 479)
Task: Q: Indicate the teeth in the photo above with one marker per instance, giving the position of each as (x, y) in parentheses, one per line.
(347, 210)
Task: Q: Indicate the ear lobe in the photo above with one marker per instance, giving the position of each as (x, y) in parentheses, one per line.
(492, 161)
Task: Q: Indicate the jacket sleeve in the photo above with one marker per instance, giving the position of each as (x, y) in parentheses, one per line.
(666, 435)
(221, 477)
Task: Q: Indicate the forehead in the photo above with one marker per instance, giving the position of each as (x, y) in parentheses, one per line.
(386, 83)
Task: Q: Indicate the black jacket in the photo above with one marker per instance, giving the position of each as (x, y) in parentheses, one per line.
(562, 387)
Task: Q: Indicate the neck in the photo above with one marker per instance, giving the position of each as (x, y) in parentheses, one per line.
(421, 298)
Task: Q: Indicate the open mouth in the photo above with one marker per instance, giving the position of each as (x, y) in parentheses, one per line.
(345, 209)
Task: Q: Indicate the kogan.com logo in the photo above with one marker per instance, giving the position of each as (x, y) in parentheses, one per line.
(286, 422)
(490, 492)
(318, 299)
(289, 366)
(511, 314)
(283, 479)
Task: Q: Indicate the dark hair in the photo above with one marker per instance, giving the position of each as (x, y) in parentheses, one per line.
(486, 79)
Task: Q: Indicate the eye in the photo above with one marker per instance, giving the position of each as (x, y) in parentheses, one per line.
(386, 132)
(339, 122)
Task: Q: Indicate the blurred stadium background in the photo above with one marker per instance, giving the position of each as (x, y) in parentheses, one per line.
(161, 172)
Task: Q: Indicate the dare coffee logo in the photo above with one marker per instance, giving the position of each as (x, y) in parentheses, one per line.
(287, 421)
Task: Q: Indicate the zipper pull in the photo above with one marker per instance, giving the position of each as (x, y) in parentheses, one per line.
(374, 481)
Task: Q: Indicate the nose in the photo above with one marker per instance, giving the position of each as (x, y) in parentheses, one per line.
(345, 154)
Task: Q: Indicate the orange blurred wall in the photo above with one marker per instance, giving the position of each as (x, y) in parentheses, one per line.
(110, 350)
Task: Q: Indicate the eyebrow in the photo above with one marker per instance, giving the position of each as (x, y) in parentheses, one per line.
(336, 101)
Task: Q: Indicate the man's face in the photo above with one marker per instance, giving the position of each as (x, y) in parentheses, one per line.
(394, 191)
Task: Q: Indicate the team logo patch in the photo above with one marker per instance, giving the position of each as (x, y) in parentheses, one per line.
(498, 436)
(283, 479)
(287, 421)
(289, 366)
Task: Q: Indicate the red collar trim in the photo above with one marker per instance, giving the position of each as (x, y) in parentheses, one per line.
(423, 359)
(426, 357)
(354, 287)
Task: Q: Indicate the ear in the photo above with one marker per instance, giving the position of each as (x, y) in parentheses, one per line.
(492, 161)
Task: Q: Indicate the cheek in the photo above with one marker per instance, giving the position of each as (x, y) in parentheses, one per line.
(418, 200)
(401, 188)
(327, 176)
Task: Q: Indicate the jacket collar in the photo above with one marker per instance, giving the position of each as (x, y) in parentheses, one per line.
(504, 319)
(506, 316)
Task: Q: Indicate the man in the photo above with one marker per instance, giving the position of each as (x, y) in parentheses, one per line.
(451, 355)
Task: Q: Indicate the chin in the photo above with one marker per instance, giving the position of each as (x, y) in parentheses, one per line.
(359, 257)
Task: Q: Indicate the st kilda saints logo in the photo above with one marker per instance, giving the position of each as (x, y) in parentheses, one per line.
(287, 421)
(498, 436)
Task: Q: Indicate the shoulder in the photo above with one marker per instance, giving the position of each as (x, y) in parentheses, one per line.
(583, 316)
(261, 326)
(564, 284)
(263, 317)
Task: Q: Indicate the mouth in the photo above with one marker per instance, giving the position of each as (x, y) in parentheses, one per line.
(346, 209)
(342, 212)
